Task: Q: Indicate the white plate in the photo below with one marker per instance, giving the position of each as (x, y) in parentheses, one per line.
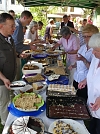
(27, 41)
(77, 127)
(18, 82)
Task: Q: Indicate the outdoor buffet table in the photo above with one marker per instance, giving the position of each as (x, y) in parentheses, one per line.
(46, 120)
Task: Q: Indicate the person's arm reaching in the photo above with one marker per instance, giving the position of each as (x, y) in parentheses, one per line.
(55, 46)
(73, 29)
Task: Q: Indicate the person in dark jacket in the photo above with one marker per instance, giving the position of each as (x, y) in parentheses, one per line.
(7, 62)
(66, 22)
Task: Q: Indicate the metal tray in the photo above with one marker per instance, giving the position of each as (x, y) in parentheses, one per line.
(30, 75)
(67, 107)
(66, 93)
(59, 94)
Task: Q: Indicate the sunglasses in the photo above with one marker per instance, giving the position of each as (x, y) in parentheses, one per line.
(86, 36)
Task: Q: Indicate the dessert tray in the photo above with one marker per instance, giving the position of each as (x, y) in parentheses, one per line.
(67, 107)
(19, 113)
(30, 68)
(39, 87)
(52, 53)
(39, 56)
(67, 126)
(60, 90)
(28, 102)
(31, 78)
(61, 80)
(53, 77)
(56, 70)
(27, 125)
(16, 85)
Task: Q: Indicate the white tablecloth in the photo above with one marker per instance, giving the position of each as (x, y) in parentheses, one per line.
(46, 120)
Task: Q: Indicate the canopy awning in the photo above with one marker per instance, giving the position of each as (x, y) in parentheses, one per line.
(72, 3)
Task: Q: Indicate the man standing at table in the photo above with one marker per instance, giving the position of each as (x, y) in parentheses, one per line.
(66, 22)
(7, 62)
(18, 36)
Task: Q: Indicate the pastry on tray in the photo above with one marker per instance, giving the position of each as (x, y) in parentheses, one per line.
(37, 85)
(26, 124)
(34, 78)
(30, 67)
(56, 70)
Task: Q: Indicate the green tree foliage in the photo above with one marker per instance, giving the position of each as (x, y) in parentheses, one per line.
(40, 14)
(87, 12)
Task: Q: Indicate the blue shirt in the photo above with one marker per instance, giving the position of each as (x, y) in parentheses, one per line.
(18, 37)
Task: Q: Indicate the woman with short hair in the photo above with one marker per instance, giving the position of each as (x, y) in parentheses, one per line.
(71, 45)
(31, 33)
(84, 58)
(93, 83)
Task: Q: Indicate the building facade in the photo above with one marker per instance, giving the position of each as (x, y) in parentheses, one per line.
(6, 5)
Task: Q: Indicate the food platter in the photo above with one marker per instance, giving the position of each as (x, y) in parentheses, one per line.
(17, 85)
(28, 124)
(53, 77)
(67, 107)
(42, 87)
(39, 56)
(76, 126)
(28, 102)
(52, 53)
(32, 68)
(61, 80)
(31, 78)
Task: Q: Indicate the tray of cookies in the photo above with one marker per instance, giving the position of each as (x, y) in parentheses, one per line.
(32, 78)
(60, 90)
(67, 107)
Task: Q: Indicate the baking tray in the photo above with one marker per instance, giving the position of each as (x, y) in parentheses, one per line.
(65, 93)
(30, 75)
(67, 107)
(59, 94)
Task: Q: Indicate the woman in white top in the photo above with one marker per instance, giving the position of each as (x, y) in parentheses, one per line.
(32, 33)
(84, 58)
(93, 83)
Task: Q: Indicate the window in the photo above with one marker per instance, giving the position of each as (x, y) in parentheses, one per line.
(12, 1)
(0, 1)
